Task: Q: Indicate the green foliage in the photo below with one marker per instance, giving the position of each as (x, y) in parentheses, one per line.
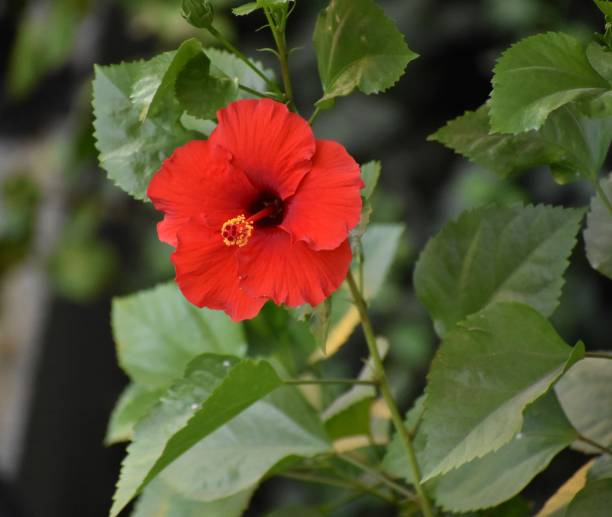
(250, 7)
(200, 93)
(199, 13)
(132, 147)
(597, 235)
(572, 144)
(498, 476)
(358, 47)
(605, 6)
(213, 391)
(133, 404)
(585, 392)
(537, 76)
(159, 499)
(495, 254)
(158, 332)
(509, 355)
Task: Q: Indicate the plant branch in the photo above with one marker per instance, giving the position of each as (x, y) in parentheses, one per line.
(280, 38)
(379, 475)
(599, 355)
(271, 84)
(592, 443)
(330, 381)
(257, 93)
(314, 115)
(385, 389)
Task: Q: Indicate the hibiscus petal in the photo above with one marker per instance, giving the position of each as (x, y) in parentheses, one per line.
(327, 204)
(207, 273)
(198, 179)
(270, 144)
(275, 266)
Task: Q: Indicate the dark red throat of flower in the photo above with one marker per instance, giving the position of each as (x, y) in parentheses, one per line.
(238, 230)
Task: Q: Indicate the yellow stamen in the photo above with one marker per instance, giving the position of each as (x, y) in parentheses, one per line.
(237, 231)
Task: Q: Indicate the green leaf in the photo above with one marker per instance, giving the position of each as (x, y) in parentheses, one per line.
(132, 149)
(370, 172)
(358, 47)
(159, 499)
(214, 390)
(569, 142)
(538, 75)
(158, 332)
(600, 59)
(598, 234)
(238, 455)
(594, 500)
(585, 392)
(250, 7)
(509, 355)
(605, 6)
(227, 65)
(500, 475)
(133, 404)
(200, 93)
(153, 93)
(493, 254)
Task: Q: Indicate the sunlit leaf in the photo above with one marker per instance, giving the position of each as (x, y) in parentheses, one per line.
(557, 504)
(594, 500)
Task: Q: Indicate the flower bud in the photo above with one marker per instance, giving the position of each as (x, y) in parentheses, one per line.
(199, 13)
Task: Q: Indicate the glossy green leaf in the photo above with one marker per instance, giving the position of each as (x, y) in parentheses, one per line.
(214, 390)
(358, 47)
(594, 500)
(585, 392)
(243, 451)
(158, 332)
(200, 93)
(493, 254)
(569, 142)
(133, 404)
(250, 7)
(160, 500)
(598, 234)
(538, 75)
(509, 355)
(500, 475)
(132, 148)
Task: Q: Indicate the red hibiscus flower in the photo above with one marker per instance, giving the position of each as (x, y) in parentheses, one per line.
(260, 211)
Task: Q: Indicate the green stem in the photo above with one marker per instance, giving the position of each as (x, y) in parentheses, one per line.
(271, 84)
(314, 116)
(592, 443)
(279, 35)
(385, 389)
(378, 475)
(330, 381)
(602, 195)
(255, 92)
(599, 355)
(332, 481)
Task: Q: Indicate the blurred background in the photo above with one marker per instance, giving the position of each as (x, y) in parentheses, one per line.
(70, 240)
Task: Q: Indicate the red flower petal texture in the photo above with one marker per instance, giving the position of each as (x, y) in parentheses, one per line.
(260, 211)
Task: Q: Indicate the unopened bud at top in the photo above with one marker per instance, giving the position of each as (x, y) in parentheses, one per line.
(199, 13)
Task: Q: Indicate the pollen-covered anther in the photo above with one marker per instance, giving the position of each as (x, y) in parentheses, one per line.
(237, 231)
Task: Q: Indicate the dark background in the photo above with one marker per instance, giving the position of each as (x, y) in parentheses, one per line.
(85, 241)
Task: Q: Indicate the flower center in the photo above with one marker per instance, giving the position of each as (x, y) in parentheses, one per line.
(238, 230)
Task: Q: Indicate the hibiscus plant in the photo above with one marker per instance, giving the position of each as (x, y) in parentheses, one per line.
(268, 231)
